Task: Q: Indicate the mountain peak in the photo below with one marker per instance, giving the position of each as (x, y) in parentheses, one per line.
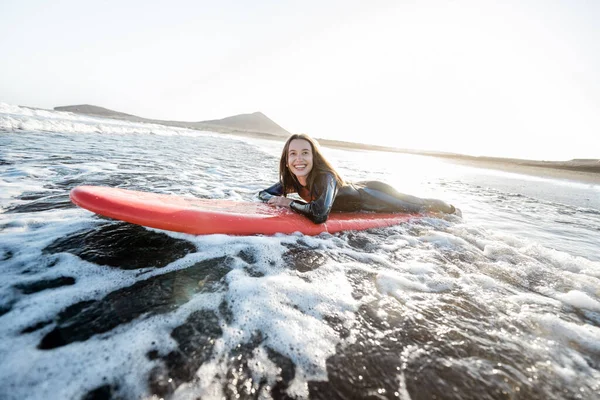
(255, 122)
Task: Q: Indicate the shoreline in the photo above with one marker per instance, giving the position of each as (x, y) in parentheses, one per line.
(550, 172)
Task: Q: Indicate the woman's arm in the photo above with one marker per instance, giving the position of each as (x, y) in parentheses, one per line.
(267, 194)
(318, 210)
(274, 196)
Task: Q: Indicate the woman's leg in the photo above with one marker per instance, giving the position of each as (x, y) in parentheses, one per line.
(390, 199)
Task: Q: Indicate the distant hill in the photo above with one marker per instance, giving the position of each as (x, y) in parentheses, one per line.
(255, 123)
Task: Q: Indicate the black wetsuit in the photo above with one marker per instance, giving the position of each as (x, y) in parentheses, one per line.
(327, 195)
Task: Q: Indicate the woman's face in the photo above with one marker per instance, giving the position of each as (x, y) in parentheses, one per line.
(300, 159)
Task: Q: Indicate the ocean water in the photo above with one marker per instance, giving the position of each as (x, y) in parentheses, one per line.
(503, 303)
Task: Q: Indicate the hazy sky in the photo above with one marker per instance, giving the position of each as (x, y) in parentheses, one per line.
(513, 78)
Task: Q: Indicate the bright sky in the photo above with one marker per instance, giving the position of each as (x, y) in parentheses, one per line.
(516, 78)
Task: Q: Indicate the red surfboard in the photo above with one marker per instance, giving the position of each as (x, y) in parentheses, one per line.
(205, 216)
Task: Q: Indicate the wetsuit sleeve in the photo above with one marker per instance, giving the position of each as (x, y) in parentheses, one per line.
(318, 210)
(275, 190)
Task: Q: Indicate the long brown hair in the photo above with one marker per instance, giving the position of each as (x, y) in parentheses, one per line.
(320, 164)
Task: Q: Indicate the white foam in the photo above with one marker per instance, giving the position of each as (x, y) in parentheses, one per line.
(569, 333)
(299, 332)
(83, 366)
(533, 298)
(397, 285)
(416, 277)
(481, 281)
(579, 299)
(563, 261)
(442, 239)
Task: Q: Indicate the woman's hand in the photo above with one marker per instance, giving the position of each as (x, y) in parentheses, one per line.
(279, 201)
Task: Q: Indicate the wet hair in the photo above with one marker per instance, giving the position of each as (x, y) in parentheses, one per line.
(320, 165)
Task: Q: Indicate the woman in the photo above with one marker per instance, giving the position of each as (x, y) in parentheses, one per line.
(304, 170)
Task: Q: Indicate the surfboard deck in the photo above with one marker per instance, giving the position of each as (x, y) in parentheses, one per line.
(212, 216)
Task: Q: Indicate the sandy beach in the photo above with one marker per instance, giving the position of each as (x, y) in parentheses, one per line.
(540, 171)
